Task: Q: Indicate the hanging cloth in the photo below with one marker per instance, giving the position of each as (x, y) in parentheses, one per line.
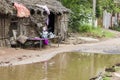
(22, 11)
(44, 7)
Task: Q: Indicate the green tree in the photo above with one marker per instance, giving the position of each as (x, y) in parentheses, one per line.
(82, 10)
(109, 5)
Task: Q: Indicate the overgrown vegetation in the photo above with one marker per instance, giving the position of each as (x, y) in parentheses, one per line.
(115, 28)
(82, 11)
(109, 73)
(106, 78)
(88, 30)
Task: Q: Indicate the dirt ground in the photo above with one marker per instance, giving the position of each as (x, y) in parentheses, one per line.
(17, 56)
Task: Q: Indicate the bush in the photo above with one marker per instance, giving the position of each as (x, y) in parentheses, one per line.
(89, 30)
(115, 28)
(85, 28)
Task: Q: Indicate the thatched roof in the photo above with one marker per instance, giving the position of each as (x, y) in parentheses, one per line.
(54, 5)
(5, 8)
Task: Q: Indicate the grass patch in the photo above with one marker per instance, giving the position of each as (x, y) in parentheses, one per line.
(106, 78)
(99, 32)
(87, 30)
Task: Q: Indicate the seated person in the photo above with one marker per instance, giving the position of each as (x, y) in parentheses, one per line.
(45, 35)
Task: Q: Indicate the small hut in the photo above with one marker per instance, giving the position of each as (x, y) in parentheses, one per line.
(56, 19)
(5, 11)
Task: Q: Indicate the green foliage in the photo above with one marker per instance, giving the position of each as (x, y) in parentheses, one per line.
(98, 10)
(99, 32)
(82, 11)
(106, 78)
(109, 5)
(88, 30)
(116, 28)
(85, 28)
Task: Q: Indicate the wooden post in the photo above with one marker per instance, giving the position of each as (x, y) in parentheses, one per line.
(94, 13)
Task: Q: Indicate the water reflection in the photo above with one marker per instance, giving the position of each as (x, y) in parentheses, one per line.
(67, 66)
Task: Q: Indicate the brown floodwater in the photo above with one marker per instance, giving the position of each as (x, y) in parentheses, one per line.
(66, 66)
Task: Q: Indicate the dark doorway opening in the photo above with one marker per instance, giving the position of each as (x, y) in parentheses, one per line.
(51, 25)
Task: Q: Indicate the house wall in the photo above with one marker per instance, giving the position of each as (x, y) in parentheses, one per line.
(4, 30)
(64, 26)
(32, 26)
(27, 28)
(24, 26)
(57, 24)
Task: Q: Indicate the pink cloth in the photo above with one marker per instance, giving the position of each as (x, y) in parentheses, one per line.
(36, 39)
(46, 42)
(22, 11)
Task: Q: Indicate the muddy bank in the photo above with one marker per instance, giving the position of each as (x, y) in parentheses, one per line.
(11, 56)
(109, 73)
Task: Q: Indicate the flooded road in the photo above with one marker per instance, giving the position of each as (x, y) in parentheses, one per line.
(66, 66)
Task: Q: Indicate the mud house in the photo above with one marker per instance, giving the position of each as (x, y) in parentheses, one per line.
(5, 12)
(35, 15)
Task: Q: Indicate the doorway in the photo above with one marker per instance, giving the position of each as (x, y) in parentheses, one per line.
(51, 24)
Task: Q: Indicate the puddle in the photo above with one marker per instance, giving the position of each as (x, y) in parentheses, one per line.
(66, 66)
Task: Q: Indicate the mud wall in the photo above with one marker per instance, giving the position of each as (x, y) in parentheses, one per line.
(61, 25)
(4, 30)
